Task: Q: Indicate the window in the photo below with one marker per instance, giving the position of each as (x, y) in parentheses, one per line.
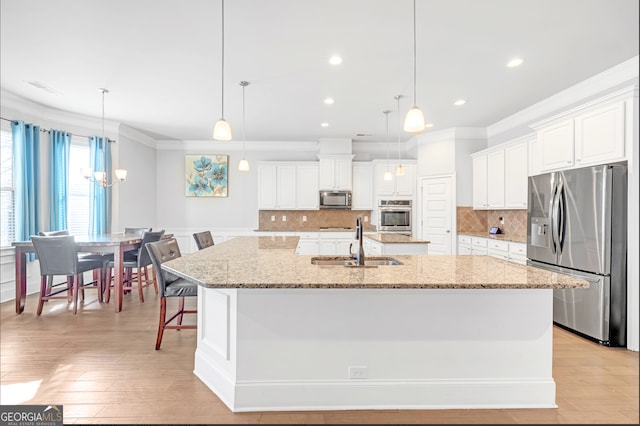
(7, 221)
(78, 196)
(79, 190)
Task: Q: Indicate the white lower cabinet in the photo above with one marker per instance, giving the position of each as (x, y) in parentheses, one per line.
(324, 243)
(377, 248)
(518, 253)
(501, 249)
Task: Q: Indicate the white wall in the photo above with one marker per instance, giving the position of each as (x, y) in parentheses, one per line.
(176, 211)
(449, 152)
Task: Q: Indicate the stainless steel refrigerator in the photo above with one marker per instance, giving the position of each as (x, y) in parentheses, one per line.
(577, 225)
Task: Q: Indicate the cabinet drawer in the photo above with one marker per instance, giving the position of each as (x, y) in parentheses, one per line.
(464, 239)
(498, 253)
(479, 251)
(478, 242)
(498, 245)
(518, 249)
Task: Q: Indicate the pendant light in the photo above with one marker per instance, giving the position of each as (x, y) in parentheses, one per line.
(414, 120)
(399, 167)
(387, 174)
(222, 131)
(100, 178)
(243, 166)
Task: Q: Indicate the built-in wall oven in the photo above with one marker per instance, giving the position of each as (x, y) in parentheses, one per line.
(394, 216)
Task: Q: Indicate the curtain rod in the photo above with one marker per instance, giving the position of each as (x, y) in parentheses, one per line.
(49, 130)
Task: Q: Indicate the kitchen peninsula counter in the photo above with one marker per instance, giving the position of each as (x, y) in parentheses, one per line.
(270, 262)
(437, 332)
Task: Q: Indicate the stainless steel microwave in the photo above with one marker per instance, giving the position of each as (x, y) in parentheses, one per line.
(335, 199)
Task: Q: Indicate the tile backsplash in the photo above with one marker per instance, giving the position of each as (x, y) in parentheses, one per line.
(315, 219)
(469, 220)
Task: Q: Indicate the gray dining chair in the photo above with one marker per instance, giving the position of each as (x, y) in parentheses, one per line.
(170, 286)
(203, 239)
(136, 231)
(136, 266)
(58, 256)
(103, 257)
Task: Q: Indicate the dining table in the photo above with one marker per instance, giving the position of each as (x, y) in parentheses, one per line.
(117, 243)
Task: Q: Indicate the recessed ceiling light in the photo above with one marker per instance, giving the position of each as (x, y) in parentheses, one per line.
(324, 124)
(428, 125)
(514, 62)
(460, 102)
(335, 60)
(329, 101)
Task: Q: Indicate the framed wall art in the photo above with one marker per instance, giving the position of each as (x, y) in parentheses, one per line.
(206, 175)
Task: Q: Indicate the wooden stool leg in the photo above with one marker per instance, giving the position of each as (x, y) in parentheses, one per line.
(161, 324)
(139, 278)
(181, 310)
(75, 280)
(43, 293)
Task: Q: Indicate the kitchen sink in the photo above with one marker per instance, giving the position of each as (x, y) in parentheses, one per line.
(347, 261)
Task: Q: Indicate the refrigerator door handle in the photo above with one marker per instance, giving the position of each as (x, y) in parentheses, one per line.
(561, 217)
(552, 218)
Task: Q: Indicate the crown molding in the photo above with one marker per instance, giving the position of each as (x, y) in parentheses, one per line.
(47, 117)
(452, 133)
(625, 73)
(234, 145)
(136, 135)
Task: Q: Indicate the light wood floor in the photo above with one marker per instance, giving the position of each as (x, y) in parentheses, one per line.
(102, 367)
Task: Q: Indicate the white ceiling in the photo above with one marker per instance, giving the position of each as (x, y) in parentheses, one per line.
(160, 59)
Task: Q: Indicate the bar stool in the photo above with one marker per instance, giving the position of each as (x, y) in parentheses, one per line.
(170, 286)
(203, 239)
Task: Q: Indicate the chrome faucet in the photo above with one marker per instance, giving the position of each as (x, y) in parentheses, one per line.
(359, 256)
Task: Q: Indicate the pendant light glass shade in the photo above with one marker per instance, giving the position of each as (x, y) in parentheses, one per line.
(222, 130)
(388, 175)
(414, 120)
(400, 170)
(243, 166)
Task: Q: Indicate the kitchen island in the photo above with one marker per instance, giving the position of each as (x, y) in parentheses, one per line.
(276, 332)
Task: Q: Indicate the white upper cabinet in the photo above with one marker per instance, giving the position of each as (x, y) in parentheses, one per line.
(555, 145)
(585, 136)
(404, 185)
(335, 172)
(288, 186)
(307, 197)
(515, 175)
(480, 182)
(495, 179)
(362, 193)
(599, 135)
(500, 176)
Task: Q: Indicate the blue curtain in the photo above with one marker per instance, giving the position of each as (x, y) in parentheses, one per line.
(59, 179)
(26, 169)
(100, 209)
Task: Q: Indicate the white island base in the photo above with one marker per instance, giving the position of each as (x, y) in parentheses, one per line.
(295, 349)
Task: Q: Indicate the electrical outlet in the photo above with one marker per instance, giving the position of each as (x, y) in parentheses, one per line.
(366, 218)
(358, 373)
(304, 218)
(273, 218)
(501, 220)
(284, 218)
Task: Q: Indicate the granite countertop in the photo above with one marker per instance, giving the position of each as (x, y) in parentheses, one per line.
(504, 237)
(270, 262)
(395, 239)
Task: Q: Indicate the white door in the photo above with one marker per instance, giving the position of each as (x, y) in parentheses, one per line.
(437, 213)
